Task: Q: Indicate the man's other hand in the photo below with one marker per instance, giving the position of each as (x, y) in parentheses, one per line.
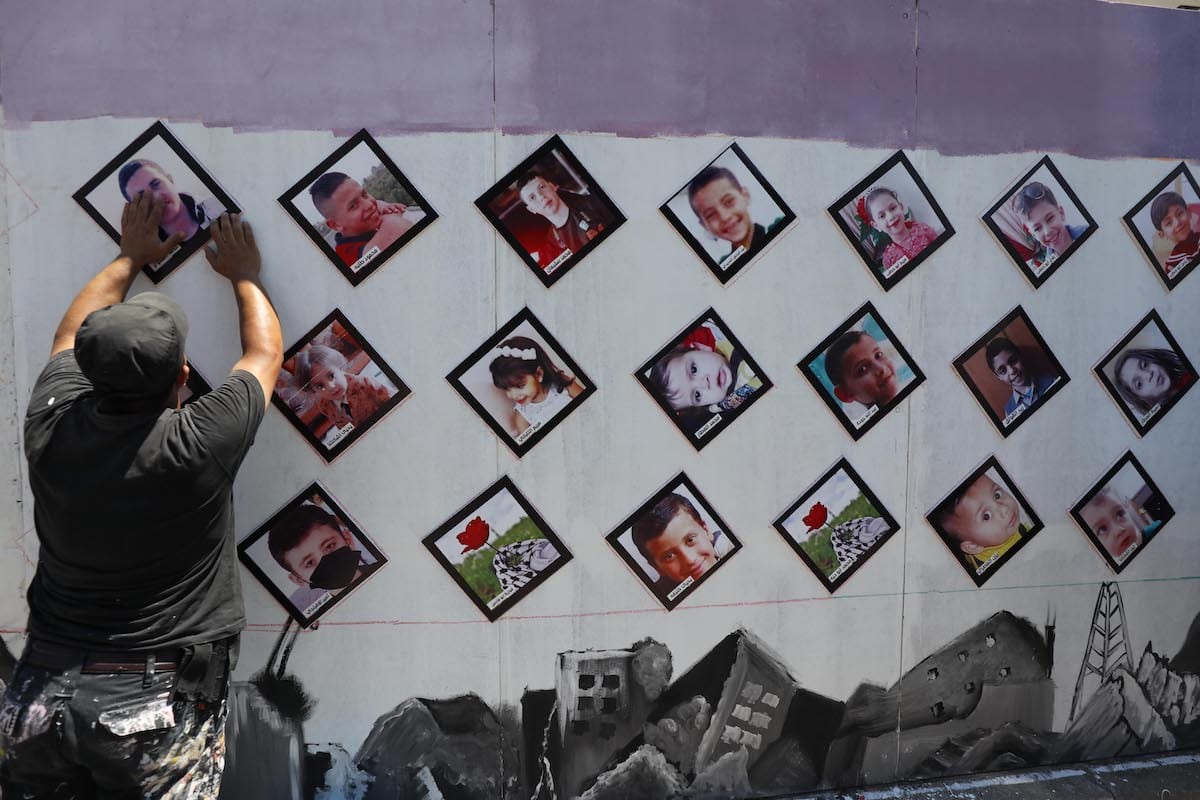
(139, 231)
(233, 252)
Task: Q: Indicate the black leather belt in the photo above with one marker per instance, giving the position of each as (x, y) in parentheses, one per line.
(93, 662)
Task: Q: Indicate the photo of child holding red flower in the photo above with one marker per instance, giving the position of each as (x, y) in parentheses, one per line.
(497, 548)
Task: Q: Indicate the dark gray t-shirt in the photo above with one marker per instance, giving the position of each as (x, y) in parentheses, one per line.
(134, 514)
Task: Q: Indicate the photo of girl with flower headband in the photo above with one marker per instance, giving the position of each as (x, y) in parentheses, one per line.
(892, 220)
(521, 382)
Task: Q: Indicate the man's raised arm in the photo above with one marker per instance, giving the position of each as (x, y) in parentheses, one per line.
(234, 254)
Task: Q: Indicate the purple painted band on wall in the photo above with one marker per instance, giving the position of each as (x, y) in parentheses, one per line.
(961, 76)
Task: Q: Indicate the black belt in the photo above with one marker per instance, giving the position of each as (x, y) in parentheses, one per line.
(55, 656)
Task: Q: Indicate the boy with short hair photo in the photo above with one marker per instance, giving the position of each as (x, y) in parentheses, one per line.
(722, 206)
(674, 540)
(359, 221)
(1176, 243)
(860, 370)
(318, 553)
(1007, 365)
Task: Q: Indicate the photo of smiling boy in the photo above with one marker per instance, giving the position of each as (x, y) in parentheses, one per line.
(1166, 226)
(357, 207)
(550, 210)
(892, 220)
(674, 541)
(1146, 373)
(333, 386)
(728, 213)
(157, 164)
(1039, 222)
(309, 554)
(984, 521)
(703, 379)
(861, 371)
(1011, 371)
(1122, 512)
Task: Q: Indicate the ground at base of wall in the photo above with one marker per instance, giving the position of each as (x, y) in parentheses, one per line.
(1173, 777)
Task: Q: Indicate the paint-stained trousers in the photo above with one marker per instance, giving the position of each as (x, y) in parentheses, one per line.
(67, 735)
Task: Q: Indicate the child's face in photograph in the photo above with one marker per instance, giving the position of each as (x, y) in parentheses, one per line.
(320, 541)
(868, 375)
(724, 210)
(329, 383)
(1008, 368)
(1113, 522)
(528, 390)
(1177, 224)
(698, 378)
(887, 214)
(351, 210)
(986, 516)
(1145, 379)
(684, 549)
(540, 196)
(1047, 223)
(159, 185)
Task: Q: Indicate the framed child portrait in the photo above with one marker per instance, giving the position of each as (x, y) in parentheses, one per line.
(497, 548)
(156, 162)
(892, 220)
(674, 542)
(984, 521)
(358, 208)
(551, 211)
(703, 379)
(310, 555)
(1165, 223)
(728, 213)
(836, 525)
(861, 371)
(334, 386)
(1040, 222)
(1011, 371)
(521, 382)
(1122, 512)
(1146, 373)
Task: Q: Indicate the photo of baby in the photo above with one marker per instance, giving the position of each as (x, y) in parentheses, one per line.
(861, 371)
(1011, 371)
(1040, 222)
(836, 525)
(1166, 225)
(333, 386)
(728, 213)
(310, 555)
(892, 220)
(984, 521)
(674, 541)
(156, 163)
(358, 207)
(521, 382)
(703, 379)
(497, 548)
(550, 210)
(1146, 373)
(1122, 512)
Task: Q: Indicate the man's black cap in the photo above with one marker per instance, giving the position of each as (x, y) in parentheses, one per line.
(133, 349)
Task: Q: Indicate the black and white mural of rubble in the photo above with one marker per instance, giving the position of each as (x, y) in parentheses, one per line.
(625, 724)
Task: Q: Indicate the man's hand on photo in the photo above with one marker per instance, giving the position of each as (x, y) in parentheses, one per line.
(140, 241)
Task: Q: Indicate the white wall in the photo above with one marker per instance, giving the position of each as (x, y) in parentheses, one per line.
(410, 632)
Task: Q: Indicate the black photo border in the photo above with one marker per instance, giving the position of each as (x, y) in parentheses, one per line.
(455, 379)
(1143, 428)
(724, 418)
(988, 219)
(832, 402)
(749, 257)
(1181, 169)
(1036, 524)
(681, 479)
(402, 390)
(962, 358)
(481, 202)
(1126, 459)
(185, 250)
(331, 505)
(503, 484)
(842, 465)
(288, 198)
(198, 384)
(897, 158)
